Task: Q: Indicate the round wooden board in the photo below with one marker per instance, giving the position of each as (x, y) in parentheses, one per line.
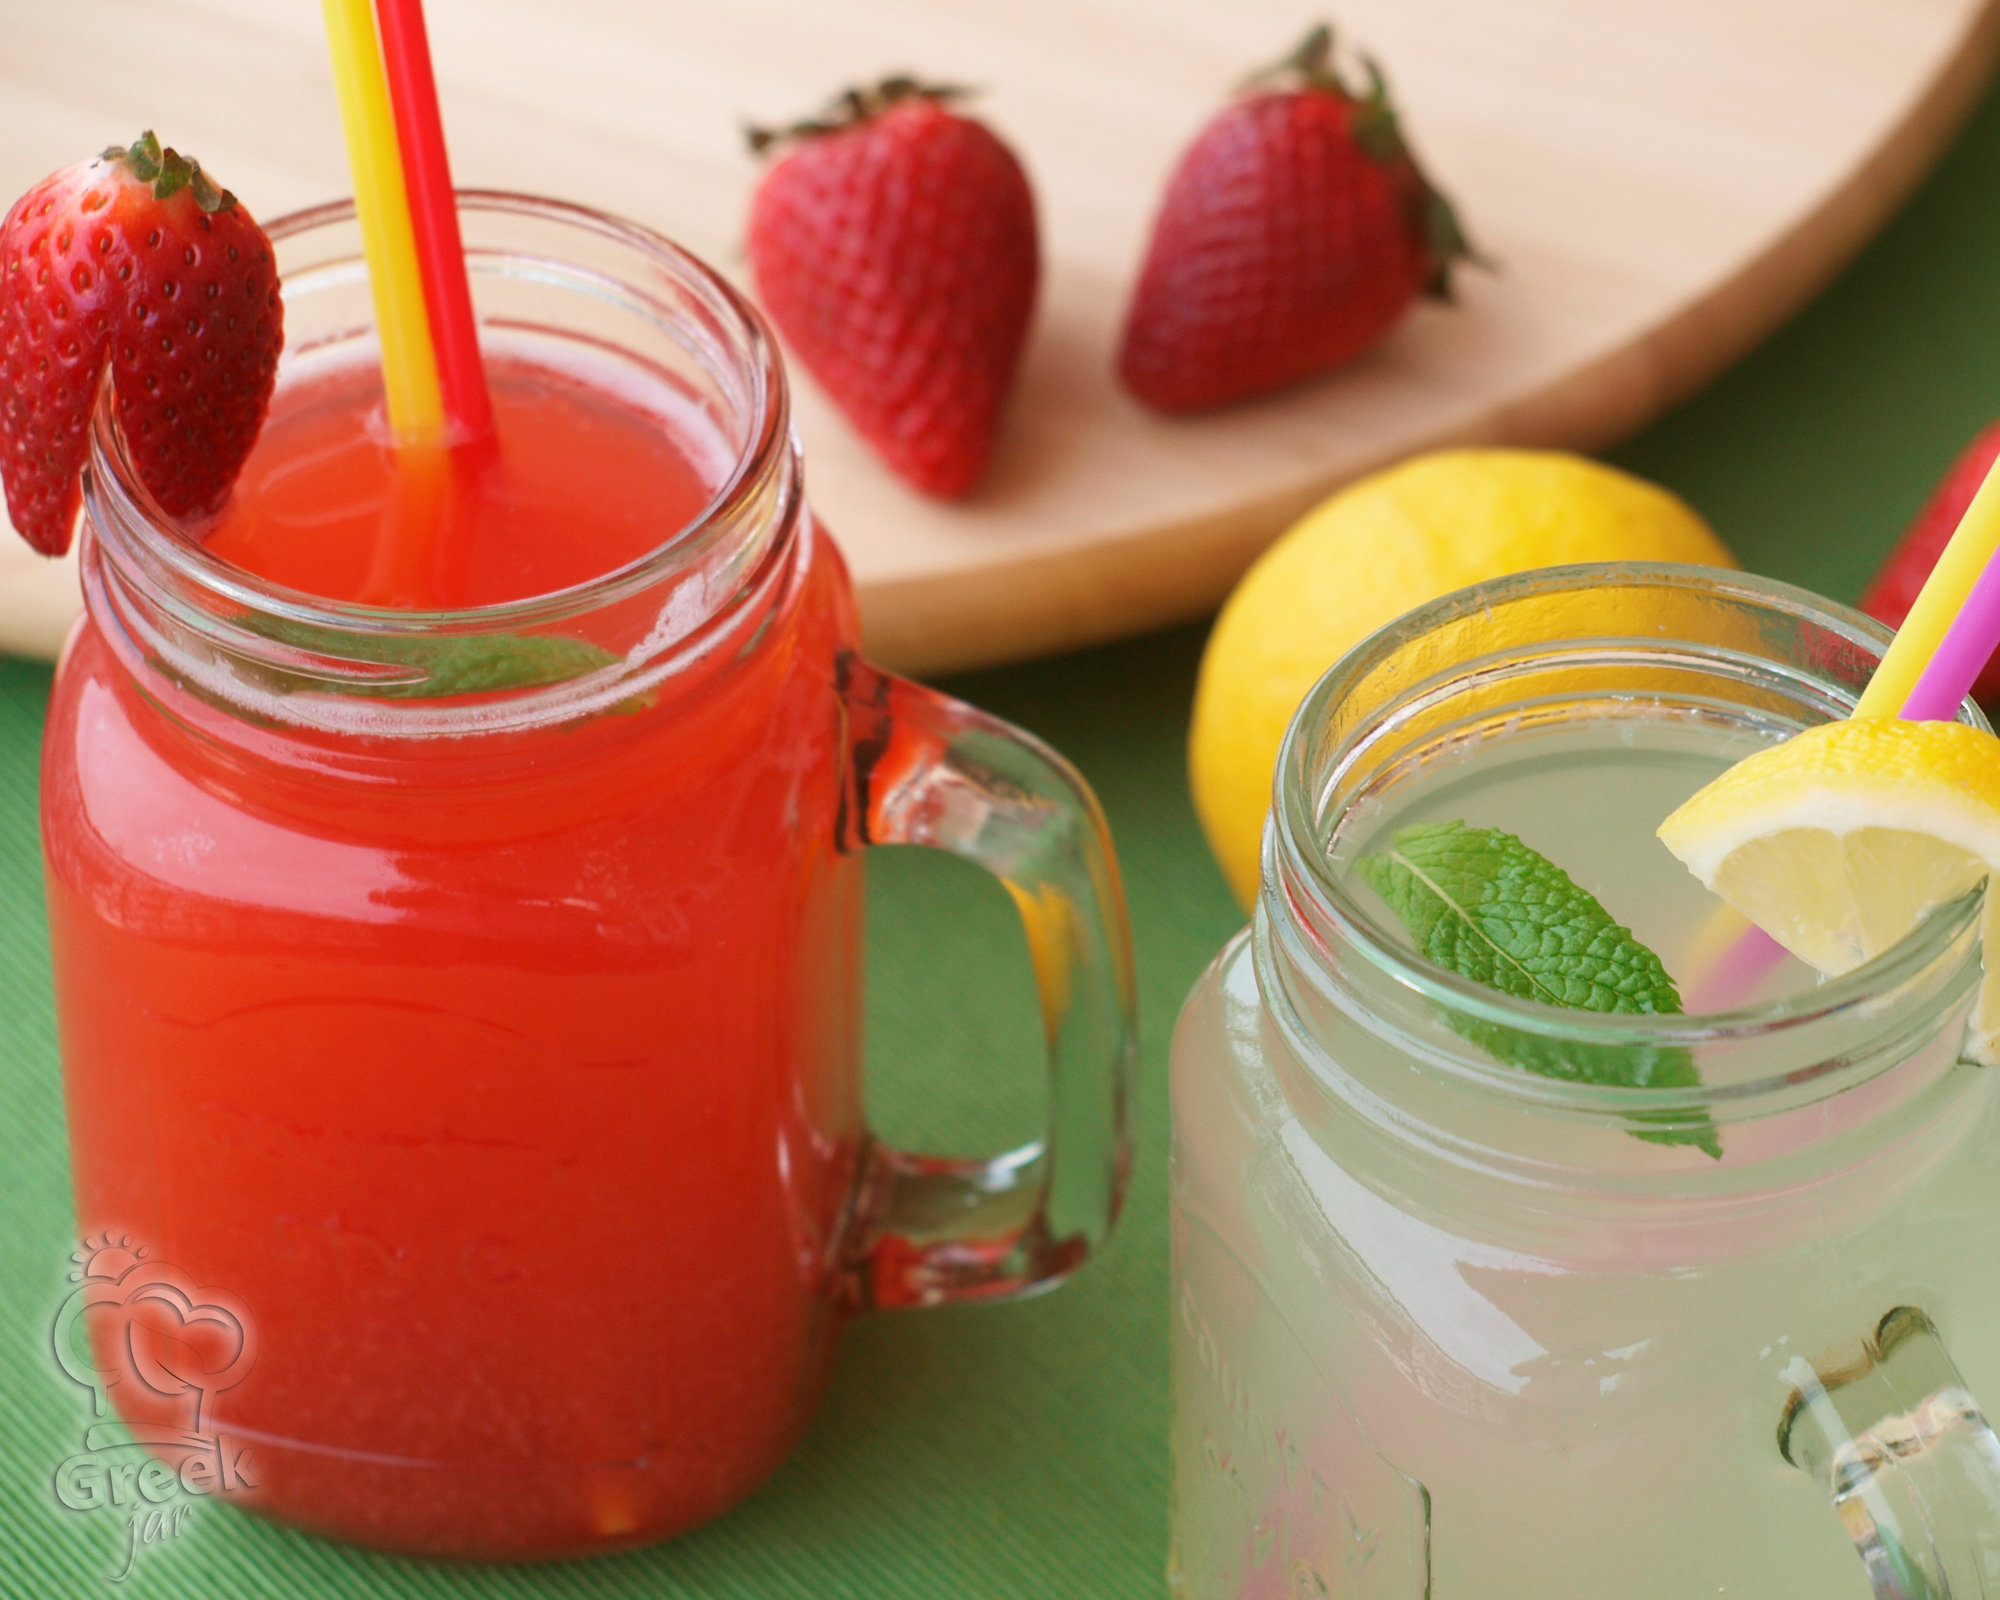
(1661, 181)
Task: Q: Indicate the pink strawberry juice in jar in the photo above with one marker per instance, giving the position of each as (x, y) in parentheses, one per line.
(458, 958)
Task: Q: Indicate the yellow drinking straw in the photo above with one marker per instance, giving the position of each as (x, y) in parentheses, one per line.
(1924, 676)
(1938, 604)
(409, 364)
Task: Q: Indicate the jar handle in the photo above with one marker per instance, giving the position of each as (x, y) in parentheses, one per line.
(1897, 1441)
(926, 769)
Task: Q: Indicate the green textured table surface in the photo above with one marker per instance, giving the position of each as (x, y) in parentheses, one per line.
(1013, 1450)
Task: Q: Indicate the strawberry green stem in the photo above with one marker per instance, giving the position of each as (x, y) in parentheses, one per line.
(169, 172)
(1312, 67)
(852, 107)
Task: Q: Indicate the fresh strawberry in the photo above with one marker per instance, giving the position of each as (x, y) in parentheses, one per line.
(1893, 590)
(893, 244)
(138, 261)
(1296, 231)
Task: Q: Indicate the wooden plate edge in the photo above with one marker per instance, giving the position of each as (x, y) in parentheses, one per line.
(1054, 600)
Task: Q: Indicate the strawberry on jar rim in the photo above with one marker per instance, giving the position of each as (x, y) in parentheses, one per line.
(1297, 231)
(893, 243)
(136, 261)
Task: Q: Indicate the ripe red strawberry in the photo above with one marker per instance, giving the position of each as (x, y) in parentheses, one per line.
(893, 244)
(1295, 233)
(138, 261)
(1893, 590)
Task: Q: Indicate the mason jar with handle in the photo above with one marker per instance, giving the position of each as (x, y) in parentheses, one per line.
(1445, 1326)
(460, 1010)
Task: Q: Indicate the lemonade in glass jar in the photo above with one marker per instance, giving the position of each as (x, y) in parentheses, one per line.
(1682, 1287)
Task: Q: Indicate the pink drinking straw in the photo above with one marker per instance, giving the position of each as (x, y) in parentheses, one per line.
(406, 62)
(1735, 975)
(1967, 646)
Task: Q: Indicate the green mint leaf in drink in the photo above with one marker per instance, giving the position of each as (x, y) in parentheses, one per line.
(439, 666)
(1480, 903)
(488, 663)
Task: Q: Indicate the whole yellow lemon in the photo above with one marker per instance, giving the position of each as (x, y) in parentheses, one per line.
(1373, 551)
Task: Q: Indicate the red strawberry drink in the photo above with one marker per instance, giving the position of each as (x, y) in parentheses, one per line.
(455, 889)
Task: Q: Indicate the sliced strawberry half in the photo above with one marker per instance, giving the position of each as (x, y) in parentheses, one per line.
(135, 260)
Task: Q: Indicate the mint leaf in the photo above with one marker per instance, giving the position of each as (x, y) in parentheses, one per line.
(490, 662)
(448, 664)
(1628, 1066)
(1480, 903)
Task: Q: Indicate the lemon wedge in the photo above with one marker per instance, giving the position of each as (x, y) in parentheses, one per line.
(1838, 841)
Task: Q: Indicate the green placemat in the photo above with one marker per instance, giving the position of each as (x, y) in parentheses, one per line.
(1012, 1451)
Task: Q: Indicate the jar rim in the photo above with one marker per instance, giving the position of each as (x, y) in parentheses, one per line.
(1301, 886)
(253, 648)
(765, 437)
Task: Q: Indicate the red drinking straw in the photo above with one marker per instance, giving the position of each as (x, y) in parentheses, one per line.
(406, 59)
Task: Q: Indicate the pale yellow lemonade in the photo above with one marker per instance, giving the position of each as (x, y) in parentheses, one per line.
(1446, 1327)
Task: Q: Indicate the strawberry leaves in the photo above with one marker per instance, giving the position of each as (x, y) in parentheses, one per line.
(169, 172)
(852, 107)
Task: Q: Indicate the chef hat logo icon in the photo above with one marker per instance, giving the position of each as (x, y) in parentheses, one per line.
(141, 1335)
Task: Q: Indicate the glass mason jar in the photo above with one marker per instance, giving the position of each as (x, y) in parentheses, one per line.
(1445, 1327)
(460, 1010)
